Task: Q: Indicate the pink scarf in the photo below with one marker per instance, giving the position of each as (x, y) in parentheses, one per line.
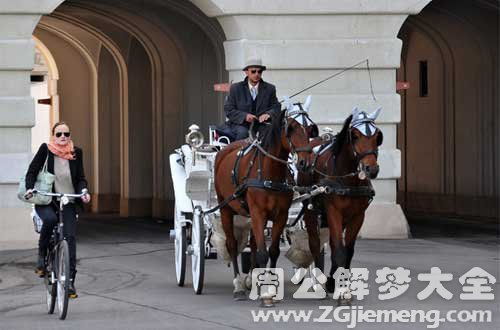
(67, 151)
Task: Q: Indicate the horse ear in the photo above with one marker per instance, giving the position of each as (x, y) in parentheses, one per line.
(307, 104)
(342, 137)
(355, 113)
(312, 131)
(380, 138)
(375, 114)
(347, 122)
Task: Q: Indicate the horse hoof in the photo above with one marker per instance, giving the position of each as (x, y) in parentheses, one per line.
(267, 302)
(330, 285)
(344, 302)
(239, 296)
(248, 282)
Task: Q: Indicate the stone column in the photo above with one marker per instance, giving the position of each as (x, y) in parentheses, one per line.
(302, 42)
(17, 22)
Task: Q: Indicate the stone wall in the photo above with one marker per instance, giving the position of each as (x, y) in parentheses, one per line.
(301, 42)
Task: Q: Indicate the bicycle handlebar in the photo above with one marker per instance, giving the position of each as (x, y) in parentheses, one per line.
(45, 193)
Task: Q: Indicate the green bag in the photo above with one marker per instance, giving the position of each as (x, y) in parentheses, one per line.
(44, 182)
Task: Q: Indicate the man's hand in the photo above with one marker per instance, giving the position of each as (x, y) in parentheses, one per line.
(250, 118)
(264, 117)
(86, 198)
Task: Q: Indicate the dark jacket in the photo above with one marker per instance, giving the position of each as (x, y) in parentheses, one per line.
(239, 102)
(75, 167)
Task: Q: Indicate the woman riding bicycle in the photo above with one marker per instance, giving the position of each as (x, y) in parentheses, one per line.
(64, 161)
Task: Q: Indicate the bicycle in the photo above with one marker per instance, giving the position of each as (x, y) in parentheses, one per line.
(57, 277)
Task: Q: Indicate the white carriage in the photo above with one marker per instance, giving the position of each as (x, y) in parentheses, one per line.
(197, 230)
(191, 168)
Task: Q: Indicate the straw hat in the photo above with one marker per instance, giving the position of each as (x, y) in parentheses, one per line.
(254, 62)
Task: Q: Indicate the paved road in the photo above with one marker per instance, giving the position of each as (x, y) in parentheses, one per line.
(126, 280)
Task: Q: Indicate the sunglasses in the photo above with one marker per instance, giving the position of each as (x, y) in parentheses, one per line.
(254, 71)
(66, 134)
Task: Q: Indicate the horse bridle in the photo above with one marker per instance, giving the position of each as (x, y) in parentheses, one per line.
(293, 115)
(293, 149)
(358, 156)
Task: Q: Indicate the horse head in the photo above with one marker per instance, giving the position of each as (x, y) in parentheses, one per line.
(365, 138)
(295, 140)
(300, 112)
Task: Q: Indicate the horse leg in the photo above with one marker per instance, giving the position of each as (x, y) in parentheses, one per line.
(311, 222)
(227, 215)
(351, 234)
(258, 223)
(338, 255)
(253, 249)
(313, 233)
(253, 262)
(278, 226)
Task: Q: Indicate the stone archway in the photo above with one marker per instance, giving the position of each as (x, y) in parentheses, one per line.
(53, 78)
(338, 34)
(80, 64)
(447, 134)
(172, 95)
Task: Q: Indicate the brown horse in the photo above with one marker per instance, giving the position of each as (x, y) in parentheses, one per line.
(345, 165)
(260, 178)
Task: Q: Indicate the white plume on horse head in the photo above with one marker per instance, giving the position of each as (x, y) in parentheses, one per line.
(307, 103)
(375, 114)
(363, 122)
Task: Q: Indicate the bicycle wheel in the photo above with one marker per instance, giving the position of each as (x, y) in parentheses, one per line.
(198, 250)
(180, 250)
(62, 278)
(50, 287)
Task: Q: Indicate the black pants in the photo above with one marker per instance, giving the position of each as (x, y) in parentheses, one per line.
(240, 132)
(233, 131)
(49, 215)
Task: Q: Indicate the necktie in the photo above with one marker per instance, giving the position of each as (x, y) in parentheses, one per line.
(253, 91)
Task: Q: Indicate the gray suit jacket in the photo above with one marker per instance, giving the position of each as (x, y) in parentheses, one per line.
(239, 102)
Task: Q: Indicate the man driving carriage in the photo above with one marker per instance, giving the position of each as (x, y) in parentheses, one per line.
(249, 100)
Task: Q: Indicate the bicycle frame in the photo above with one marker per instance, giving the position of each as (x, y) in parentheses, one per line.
(57, 285)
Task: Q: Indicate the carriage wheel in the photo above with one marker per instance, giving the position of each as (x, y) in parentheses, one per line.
(198, 250)
(180, 250)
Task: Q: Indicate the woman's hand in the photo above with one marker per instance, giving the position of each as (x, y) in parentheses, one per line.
(86, 198)
(28, 194)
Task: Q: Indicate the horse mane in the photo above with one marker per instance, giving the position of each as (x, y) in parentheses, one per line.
(269, 134)
(341, 137)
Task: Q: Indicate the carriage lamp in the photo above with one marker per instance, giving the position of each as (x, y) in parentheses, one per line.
(194, 138)
(328, 135)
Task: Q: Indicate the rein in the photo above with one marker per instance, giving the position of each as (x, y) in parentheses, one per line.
(327, 176)
(256, 143)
